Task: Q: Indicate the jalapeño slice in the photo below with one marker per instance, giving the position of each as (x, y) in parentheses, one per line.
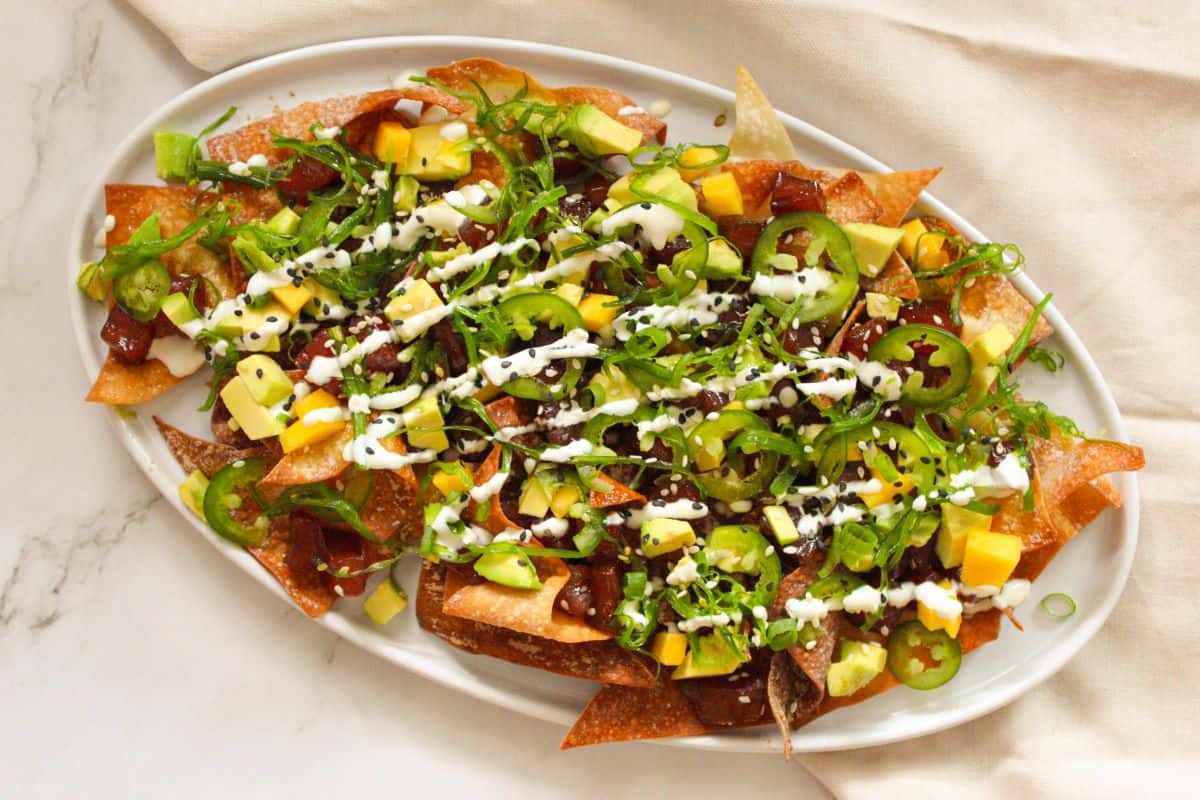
(948, 353)
(141, 291)
(524, 313)
(884, 440)
(230, 490)
(921, 658)
(724, 471)
(845, 280)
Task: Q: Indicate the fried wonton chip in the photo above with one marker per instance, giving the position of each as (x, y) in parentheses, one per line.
(993, 300)
(756, 180)
(757, 131)
(796, 681)
(313, 597)
(613, 494)
(839, 338)
(177, 207)
(502, 83)
(194, 453)
(320, 461)
(623, 713)
(534, 612)
(121, 384)
(849, 199)
(602, 661)
(895, 279)
(496, 521)
(337, 112)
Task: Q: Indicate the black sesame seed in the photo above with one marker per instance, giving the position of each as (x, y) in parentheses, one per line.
(258, 373)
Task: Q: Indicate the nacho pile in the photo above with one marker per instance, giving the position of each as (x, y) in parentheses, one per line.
(736, 437)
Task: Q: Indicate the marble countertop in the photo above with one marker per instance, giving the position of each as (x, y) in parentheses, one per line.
(134, 659)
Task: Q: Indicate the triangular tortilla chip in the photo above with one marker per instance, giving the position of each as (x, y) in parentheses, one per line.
(194, 453)
(992, 300)
(757, 132)
(623, 713)
(393, 509)
(897, 192)
(296, 123)
(849, 199)
(316, 462)
(177, 207)
(895, 279)
(313, 597)
(534, 612)
(614, 494)
(121, 384)
(602, 661)
(502, 82)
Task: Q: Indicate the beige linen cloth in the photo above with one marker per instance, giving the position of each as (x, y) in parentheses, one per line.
(1070, 128)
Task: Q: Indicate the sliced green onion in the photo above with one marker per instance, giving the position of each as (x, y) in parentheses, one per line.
(1058, 606)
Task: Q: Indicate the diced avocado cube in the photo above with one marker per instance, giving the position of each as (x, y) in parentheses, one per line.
(712, 654)
(860, 662)
(535, 497)
(669, 649)
(514, 570)
(615, 385)
(989, 346)
(416, 297)
(253, 258)
(571, 292)
(661, 536)
(178, 309)
(722, 195)
(782, 524)
(597, 134)
(989, 558)
(872, 245)
(432, 157)
(385, 602)
(665, 183)
(952, 534)
(424, 422)
(322, 297)
(882, 306)
(392, 143)
(91, 281)
(285, 222)
(737, 548)
(723, 260)
(192, 490)
(266, 380)
(173, 155)
(404, 196)
(255, 420)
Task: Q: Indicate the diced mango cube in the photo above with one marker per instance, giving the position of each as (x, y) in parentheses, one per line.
(689, 162)
(392, 141)
(722, 196)
(597, 314)
(918, 237)
(292, 297)
(298, 434)
(669, 648)
(990, 558)
(447, 483)
(934, 621)
(563, 499)
(890, 492)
